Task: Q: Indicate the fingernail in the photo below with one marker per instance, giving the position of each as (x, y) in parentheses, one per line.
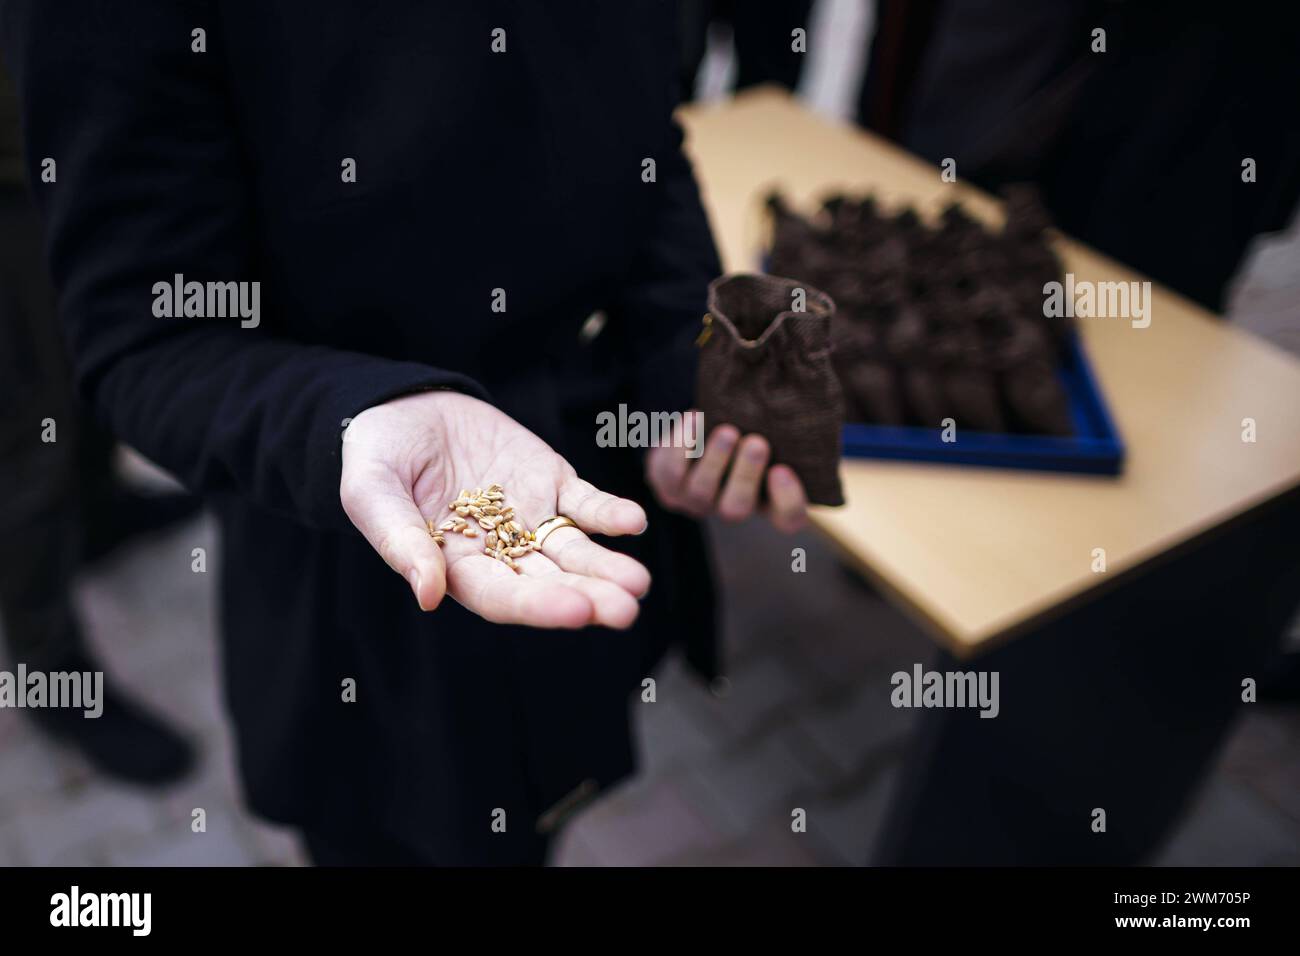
(413, 576)
(644, 527)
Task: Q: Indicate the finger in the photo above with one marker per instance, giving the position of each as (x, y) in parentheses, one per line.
(701, 488)
(612, 606)
(665, 471)
(740, 494)
(667, 465)
(573, 551)
(597, 512)
(380, 506)
(787, 504)
(495, 593)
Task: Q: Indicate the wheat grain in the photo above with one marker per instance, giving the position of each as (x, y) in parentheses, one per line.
(506, 539)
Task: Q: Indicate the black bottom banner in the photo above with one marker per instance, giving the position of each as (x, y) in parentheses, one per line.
(335, 905)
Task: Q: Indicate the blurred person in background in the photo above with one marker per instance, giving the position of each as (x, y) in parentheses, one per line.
(762, 33)
(1136, 136)
(61, 502)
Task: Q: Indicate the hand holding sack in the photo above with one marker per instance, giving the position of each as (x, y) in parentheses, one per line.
(765, 367)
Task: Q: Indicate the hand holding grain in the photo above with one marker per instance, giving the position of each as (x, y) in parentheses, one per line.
(404, 460)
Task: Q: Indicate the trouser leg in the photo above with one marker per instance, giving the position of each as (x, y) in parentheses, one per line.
(38, 476)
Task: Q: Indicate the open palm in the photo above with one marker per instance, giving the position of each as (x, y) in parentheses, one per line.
(403, 461)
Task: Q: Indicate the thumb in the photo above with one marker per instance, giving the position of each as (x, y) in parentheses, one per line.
(380, 506)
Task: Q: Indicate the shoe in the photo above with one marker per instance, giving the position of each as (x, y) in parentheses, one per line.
(125, 742)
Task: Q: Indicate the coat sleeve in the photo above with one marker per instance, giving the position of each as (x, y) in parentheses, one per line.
(666, 295)
(149, 181)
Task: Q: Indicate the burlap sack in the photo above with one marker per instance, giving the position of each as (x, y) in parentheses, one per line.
(767, 369)
(870, 385)
(969, 385)
(1032, 390)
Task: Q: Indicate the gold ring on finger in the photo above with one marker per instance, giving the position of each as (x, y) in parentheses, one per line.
(544, 530)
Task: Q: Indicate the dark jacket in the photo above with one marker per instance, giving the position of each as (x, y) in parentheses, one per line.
(11, 173)
(476, 171)
(1138, 150)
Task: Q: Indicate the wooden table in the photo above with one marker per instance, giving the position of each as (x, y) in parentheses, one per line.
(982, 554)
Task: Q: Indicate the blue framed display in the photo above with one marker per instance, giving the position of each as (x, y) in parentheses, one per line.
(1095, 447)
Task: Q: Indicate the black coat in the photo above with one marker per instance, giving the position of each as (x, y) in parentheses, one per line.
(476, 171)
